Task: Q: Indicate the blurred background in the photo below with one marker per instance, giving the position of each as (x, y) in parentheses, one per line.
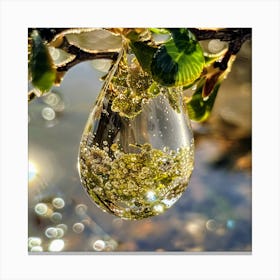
(213, 214)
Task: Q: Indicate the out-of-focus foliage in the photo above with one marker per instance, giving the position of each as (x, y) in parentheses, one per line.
(178, 61)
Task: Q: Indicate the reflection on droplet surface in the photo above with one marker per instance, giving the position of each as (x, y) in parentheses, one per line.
(151, 196)
(58, 203)
(56, 245)
(131, 155)
(51, 232)
(99, 245)
(158, 208)
(78, 227)
(41, 209)
(48, 113)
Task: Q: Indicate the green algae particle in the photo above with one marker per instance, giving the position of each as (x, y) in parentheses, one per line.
(129, 90)
(135, 185)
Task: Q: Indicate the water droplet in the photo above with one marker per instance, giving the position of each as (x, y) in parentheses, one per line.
(143, 162)
(58, 203)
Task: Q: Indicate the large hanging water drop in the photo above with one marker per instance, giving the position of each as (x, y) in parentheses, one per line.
(136, 153)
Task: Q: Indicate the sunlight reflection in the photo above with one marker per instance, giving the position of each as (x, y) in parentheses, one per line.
(32, 171)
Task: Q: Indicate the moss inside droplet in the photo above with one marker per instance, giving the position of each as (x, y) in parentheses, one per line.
(131, 88)
(130, 178)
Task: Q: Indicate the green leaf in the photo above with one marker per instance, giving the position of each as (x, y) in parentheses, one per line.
(179, 61)
(144, 54)
(41, 68)
(199, 109)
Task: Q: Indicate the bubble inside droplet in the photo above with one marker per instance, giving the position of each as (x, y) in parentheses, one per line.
(48, 114)
(58, 203)
(99, 245)
(78, 227)
(51, 232)
(41, 209)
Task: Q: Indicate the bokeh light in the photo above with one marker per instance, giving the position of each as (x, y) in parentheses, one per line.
(78, 227)
(56, 245)
(48, 113)
(32, 171)
(58, 203)
(41, 209)
(99, 245)
(51, 232)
